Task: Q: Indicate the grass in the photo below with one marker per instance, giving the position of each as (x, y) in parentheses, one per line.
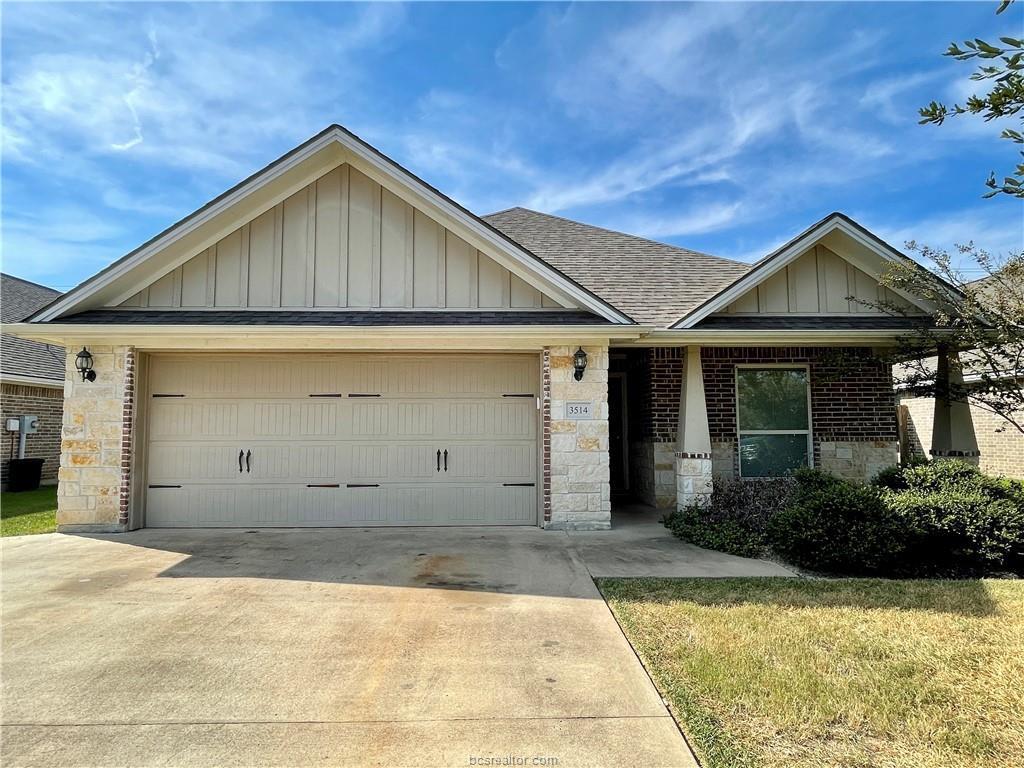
(852, 673)
(28, 512)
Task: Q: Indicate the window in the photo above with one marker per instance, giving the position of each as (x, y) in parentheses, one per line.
(772, 410)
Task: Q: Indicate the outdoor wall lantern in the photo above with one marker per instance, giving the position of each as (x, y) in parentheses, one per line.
(83, 362)
(579, 364)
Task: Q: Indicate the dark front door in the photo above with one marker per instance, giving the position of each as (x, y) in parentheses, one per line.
(617, 433)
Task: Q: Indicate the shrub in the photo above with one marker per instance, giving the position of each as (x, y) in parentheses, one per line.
(735, 518)
(959, 521)
(837, 526)
(891, 478)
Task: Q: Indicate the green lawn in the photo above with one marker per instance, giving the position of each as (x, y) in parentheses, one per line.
(28, 512)
(855, 673)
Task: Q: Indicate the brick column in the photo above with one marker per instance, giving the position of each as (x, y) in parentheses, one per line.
(94, 476)
(693, 453)
(580, 474)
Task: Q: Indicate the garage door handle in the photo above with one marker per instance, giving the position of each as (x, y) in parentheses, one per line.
(248, 454)
(240, 454)
(438, 459)
(445, 459)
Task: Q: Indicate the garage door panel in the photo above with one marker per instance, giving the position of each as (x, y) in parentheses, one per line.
(313, 426)
(507, 462)
(496, 420)
(190, 463)
(286, 506)
(315, 462)
(172, 418)
(284, 375)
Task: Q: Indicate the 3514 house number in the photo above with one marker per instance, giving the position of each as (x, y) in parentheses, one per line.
(579, 410)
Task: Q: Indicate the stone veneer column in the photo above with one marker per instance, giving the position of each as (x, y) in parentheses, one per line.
(693, 453)
(95, 450)
(580, 474)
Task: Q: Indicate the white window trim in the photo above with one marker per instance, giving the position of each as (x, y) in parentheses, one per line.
(806, 368)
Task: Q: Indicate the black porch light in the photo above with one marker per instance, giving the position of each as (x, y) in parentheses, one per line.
(579, 364)
(83, 362)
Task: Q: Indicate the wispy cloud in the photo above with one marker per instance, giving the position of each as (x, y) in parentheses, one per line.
(728, 126)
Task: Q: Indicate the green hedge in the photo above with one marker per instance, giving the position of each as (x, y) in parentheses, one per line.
(836, 526)
(735, 518)
(959, 521)
(941, 518)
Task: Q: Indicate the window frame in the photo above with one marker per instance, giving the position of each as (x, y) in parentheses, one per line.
(806, 368)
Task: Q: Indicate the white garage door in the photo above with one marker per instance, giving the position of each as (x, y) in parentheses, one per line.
(341, 440)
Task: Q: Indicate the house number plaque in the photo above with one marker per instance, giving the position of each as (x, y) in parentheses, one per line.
(579, 410)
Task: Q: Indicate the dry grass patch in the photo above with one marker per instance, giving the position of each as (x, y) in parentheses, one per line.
(853, 672)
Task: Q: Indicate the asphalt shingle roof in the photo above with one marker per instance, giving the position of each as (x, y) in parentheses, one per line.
(21, 357)
(654, 283)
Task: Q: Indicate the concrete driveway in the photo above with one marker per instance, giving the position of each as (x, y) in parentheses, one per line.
(320, 647)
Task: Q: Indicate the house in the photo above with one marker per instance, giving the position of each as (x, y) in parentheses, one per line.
(334, 342)
(31, 379)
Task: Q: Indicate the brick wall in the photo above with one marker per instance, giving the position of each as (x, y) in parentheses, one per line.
(853, 406)
(1002, 452)
(654, 380)
(46, 403)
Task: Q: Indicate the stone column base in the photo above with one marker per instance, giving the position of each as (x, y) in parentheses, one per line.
(693, 479)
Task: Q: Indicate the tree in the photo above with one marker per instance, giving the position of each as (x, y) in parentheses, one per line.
(983, 319)
(1004, 71)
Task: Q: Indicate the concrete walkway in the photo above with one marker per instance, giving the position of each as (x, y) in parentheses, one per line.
(318, 648)
(639, 545)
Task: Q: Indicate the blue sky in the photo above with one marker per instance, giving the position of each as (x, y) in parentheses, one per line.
(723, 127)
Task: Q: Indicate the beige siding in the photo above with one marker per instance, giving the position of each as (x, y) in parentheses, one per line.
(818, 282)
(343, 241)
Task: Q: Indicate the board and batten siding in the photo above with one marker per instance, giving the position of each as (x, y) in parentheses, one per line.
(818, 282)
(342, 241)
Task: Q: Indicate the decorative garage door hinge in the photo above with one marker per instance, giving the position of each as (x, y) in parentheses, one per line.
(165, 395)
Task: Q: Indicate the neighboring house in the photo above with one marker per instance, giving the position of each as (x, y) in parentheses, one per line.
(31, 379)
(333, 342)
(1000, 445)
(987, 439)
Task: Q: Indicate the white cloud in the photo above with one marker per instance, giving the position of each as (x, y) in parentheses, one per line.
(699, 220)
(994, 226)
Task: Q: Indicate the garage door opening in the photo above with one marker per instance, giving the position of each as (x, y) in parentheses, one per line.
(254, 440)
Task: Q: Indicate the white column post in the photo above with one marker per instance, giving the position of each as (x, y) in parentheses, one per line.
(952, 427)
(693, 449)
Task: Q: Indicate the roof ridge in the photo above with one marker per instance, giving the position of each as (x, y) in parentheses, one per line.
(8, 276)
(688, 251)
